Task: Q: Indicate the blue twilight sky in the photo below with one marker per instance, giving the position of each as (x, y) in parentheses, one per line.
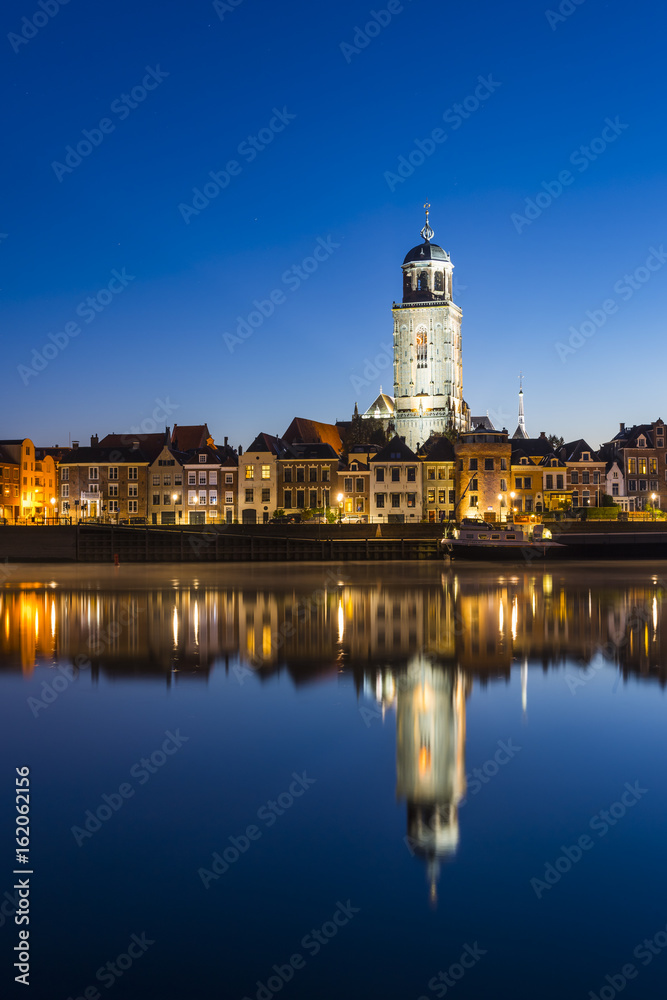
(336, 110)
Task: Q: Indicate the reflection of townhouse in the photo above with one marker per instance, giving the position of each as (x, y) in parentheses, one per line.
(100, 481)
(438, 475)
(483, 459)
(396, 483)
(640, 454)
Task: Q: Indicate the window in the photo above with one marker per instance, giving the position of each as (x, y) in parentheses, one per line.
(643, 464)
(156, 480)
(379, 499)
(202, 459)
(559, 482)
(133, 473)
(412, 499)
(437, 283)
(474, 501)
(518, 482)
(359, 486)
(94, 488)
(441, 496)
(325, 475)
(395, 474)
(632, 485)
(312, 474)
(113, 490)
(202, 479)
(529, 504)
(325, 498)
(64, 474)
(614, 489)
(488, 465)
(422, 335)
(395, 499)
(643, 486)
(301, 499)
(585, 456)
(64, 490)
(178, 499)
(300, 474)
(156, 499)
(213, 478)
(503, 485)
(249, 496)
(472, 465)
(379, 475)
(93, 473)
(229, 498)
(586, 478)
(347, 486)
(452, 496)
(312, 498)
(192, 478)
(266, 495)
(574, 478)
(473, 484)
(430, 473)
(132, 507)
(585, 498)
(202, 498)
(412, 474)
(528, 482)
(632, 466)
(287, 475)
(166, 481)
(503, 465)
(229, 478)
(360, 505)
(287, 501)
(653, 465)
(430, 496)
(213, 497)
(178, 479)
(250, 471)
(266, 472)
(442, 472)
(550, 482)
(113, 506)
(653, 485)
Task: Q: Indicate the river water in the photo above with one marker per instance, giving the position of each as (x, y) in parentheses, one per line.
(321, 781)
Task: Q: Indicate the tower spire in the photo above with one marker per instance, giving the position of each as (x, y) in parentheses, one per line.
(427, 232)
(521, 431)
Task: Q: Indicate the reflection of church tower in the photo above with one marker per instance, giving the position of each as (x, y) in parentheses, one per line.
(430, 759)
(428, 378)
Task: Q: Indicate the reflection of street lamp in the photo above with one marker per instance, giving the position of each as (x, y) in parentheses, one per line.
(653, 498)
(340, 508)
(512, 495)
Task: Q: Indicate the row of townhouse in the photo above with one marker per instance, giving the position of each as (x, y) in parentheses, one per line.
(28, 481)
(636, 470)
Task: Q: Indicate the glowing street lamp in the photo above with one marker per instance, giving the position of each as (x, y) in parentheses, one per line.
(653, 499)
(512, 495)
(340, 508)
(500, 507)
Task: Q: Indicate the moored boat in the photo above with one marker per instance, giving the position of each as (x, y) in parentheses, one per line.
(482, 540)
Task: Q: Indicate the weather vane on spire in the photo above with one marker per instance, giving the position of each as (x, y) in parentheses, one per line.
(427, 232)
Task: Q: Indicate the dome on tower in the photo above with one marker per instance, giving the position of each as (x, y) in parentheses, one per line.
(426, 251)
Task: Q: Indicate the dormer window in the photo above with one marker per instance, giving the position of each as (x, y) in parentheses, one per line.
(585, 456)
(202, 459)
(554, 462)
(524, 461)
(641, 441)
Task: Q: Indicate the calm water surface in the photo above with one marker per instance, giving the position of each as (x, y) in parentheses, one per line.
(399, 781)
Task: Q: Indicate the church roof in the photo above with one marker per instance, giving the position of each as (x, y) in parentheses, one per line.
(484, 422)
(304, 431)
(520, 432)
(426, 251)
(383, 403)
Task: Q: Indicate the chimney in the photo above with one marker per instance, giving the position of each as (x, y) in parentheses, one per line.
(75, 444)
(240, 450)
(226, 440)
(94, 440)
(622, 427)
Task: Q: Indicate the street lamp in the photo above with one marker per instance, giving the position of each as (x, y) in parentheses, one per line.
(653, 499)
(500, 507)
(512, 495)
(53, 509)
(340, 508)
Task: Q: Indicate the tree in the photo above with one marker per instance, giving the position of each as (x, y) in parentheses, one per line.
(555, 441)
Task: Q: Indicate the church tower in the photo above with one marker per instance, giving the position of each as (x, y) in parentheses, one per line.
(428, 373)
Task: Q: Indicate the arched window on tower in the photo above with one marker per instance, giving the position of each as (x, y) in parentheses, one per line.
(438, 282)
(423, 282)
(407, 283)
(422, 346)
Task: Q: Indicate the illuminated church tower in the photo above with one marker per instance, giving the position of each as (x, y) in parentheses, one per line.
(428, 373)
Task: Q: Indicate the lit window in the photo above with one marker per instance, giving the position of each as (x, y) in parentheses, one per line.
(250, 471)
(266, 472)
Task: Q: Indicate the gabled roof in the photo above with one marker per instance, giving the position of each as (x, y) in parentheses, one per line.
(519, 453)
(313, 451)
(396, 451)
(571, 451)
(150, 444)
(482, 422)
(100, 455)
(546, 462)
(211, 453)
(535, 446)
(6, 458)
(267, 443)
(185, 437)
(179, 456)
(304, 431)
(353, 460)
(437, 449)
